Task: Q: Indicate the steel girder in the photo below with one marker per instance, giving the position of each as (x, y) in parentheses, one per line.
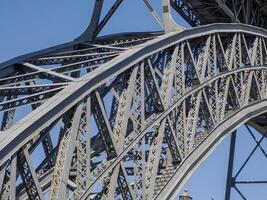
(200, 12)
(135, 125)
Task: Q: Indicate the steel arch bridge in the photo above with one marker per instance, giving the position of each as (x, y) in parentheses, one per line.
(131, 116)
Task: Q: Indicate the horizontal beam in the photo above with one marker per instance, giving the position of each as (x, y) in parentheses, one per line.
(59, 76)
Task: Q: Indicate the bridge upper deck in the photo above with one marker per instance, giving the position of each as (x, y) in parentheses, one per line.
(200, 12)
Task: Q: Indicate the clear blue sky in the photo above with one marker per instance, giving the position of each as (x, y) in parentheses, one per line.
(27, 26)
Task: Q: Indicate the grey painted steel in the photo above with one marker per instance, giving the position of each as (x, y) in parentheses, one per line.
(159, 105)
(232, 178)
(205, 149)
(200, 12)
(26, 128)
(230, 166)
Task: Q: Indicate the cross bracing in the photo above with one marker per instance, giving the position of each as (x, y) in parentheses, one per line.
(200, 12)
(159, 104)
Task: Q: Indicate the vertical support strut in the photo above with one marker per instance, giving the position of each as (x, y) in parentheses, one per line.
(168, 23)
(229, 180)
(89, 32)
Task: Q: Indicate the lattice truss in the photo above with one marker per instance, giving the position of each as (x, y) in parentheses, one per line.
(200, 12)
(125, 138)
(27, 83)
(142, 106)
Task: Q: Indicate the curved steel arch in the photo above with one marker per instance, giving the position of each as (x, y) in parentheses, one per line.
(124, 62)
(154, 106)
(190, 164)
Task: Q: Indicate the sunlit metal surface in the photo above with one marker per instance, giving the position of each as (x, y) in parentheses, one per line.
(131, 116)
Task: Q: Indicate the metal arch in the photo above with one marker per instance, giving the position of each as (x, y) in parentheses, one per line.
(98, 77)
(160, 90)
(194, 160)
